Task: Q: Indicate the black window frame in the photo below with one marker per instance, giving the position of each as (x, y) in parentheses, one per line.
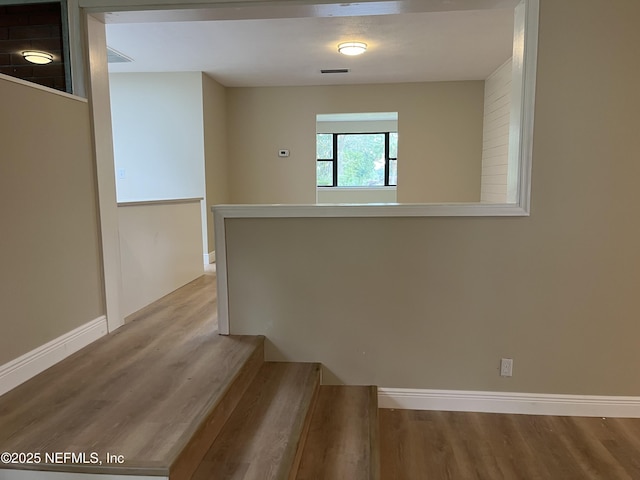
(334, 158)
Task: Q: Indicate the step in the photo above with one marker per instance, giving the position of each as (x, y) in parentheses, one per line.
(262, 439)
(157, 391)
(197, 439)
(342, 442)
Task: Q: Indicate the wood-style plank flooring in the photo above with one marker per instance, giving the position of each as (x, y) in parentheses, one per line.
(260, 440)
(139, 392)
(418, 445)
(342, 438)
(134, 391)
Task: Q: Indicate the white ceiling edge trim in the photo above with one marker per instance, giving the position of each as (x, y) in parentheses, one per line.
(140, 11)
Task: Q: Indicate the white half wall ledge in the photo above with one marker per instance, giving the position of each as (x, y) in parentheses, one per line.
(510, 402)
(370, 210)
(38, 360)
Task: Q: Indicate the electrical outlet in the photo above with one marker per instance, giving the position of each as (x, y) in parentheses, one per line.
(506, 367)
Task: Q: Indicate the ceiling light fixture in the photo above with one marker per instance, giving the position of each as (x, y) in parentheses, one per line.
(352, 48)
(39, 58)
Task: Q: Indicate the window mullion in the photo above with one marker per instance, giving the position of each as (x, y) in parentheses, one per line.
(335, 160)
(386, 159)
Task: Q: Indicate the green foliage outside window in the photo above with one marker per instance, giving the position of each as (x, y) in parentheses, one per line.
(324, 146)
(324, 174)
(360, 159)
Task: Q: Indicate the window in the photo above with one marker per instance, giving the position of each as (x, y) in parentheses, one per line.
(33, 25)
(357, 159)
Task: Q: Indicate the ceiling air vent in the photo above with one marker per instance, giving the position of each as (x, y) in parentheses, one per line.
(114, 56)
(335, 70)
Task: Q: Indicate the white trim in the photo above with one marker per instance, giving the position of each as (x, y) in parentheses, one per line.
(210, 258)
(32, 363)
(37, 86)
(530, 61)
(98, 85)
(151, 203)
(369, 210)
(221, 270)
(75, 28)
(510, 402)
(137, 11)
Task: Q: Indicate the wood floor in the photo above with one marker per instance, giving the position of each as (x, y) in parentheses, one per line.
(418, 445)
(179, 401)
(343, 436)
(140, 392)
(155, 387)
(261, 439)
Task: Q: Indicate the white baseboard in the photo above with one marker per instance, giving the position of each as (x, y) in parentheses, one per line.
(210, 258)
(508, 402)
(32, 363)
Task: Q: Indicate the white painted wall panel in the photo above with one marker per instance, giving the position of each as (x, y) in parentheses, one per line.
(495, 145)
(495, 180)
(158, 135)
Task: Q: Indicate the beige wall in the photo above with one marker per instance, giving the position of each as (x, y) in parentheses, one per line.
(214, 109)
(435, 302)
(160, 248)
(440, 138)
(50, 274)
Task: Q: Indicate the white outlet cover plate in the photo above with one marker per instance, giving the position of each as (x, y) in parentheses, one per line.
(506, 367)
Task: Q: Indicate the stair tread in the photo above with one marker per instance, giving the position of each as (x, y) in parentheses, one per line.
(343, 435)
(143, 391)
(260, 439)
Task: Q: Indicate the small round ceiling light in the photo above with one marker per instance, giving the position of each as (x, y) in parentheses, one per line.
(39, 58)
(352, 48)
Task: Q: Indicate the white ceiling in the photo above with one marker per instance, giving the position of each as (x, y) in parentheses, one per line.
(410, 47)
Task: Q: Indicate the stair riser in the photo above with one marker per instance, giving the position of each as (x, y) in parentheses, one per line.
(303, 435)
(192, 455)
(263, 436)
(342, 442)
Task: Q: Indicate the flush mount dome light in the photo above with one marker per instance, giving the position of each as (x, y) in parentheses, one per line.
(352, 48)
(40, 58)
